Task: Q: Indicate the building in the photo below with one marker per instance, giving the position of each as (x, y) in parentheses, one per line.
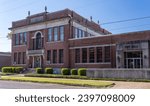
(5, 59)
(66, 39)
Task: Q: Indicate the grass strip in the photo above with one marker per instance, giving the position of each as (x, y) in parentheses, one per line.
(84, 77)
(72, 82)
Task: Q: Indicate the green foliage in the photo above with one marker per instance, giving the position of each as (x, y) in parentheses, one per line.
(74, 72)
(82, 71)
(65, 71)
(6, 69)
(17, 69)
(12, 69)
(39, 71)
(48, 70)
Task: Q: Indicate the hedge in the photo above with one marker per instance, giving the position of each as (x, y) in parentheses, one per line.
(65, 71)
(39, 71)
(48, 70)
(12, 69)
(82, 71)
(74, 72)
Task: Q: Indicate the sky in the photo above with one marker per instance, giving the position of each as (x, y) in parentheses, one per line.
(102, 10)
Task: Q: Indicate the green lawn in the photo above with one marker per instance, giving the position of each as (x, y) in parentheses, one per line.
(73, 82)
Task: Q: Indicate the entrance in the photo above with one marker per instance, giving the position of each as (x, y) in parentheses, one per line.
(133, 59)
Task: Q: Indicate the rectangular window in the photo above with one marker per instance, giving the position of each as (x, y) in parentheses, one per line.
(99, 54)
(23, 58)
(83, 33)
(25, 38)
(62, 33)
(50, 34)
(76, 33)
(16, 39)
(15, 58)
(55, 34)
(80, 33)
(91, 55)
(19, 58)
(48, 55)
(61, 56)
(84, 55)
(54, 56)
(77, 55)
(21, 38)
(107, 54)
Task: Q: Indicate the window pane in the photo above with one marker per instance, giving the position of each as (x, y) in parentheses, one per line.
(23, 60)
(107, 54)
(21, 38)
(16, 39)
(84, 55)
(99, 54)
(19, 58)
(48, 55)
(77, 55)
(76, 33)
(61, 56)
(25, 37)
(49, 34)
(54, 56)
(15, 58)
(55, 34)
(91, 53)
(62, 33)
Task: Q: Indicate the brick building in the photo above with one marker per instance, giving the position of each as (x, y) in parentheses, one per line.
(5, 59)
(66, 39)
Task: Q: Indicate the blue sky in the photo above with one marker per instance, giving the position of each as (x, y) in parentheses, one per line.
(102, 10)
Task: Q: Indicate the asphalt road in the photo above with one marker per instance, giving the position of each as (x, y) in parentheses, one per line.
(30, 85)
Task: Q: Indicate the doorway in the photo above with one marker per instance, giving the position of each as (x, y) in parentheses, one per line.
(133, 59)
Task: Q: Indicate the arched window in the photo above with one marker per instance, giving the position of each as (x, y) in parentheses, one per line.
(38, 41)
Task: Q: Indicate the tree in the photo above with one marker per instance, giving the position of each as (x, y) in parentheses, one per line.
(9, 35)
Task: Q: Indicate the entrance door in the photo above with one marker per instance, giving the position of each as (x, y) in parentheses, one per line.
(133, 59)
(37, 61)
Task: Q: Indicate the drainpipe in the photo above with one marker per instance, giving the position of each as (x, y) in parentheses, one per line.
(71, 35)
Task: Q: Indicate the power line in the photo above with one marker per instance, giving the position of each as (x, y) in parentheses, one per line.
(120, 21)
(129, 27)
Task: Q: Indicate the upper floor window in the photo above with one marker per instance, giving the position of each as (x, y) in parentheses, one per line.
(16, 39)
(38, 41)
(62, 33)
(55, 34)
(21, 38)
(76, 33)
(49, 34)
(25, 38)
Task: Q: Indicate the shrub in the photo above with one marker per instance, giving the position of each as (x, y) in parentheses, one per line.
(48, 70)
(74, 72)
(6, 69)
(39, 71)
(17, 69)
(12, 69)
(82, 72)
(65, 71)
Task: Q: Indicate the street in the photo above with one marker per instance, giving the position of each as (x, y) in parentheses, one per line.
(30, 85)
